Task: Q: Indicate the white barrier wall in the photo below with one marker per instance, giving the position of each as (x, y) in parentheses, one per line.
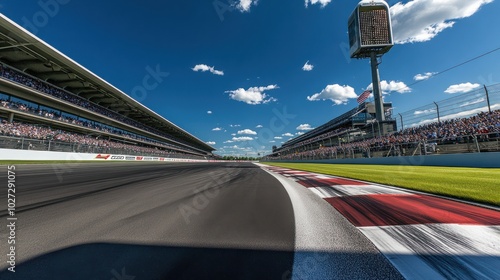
(7, 154)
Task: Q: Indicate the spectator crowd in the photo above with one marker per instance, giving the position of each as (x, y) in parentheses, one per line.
(47, 113)
(38, 137)
(484, 126)
(44, 87)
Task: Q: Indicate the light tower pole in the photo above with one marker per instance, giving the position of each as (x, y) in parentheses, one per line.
(377, 94)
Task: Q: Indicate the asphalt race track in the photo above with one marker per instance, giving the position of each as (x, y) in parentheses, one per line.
(423, 236)
(177, 221)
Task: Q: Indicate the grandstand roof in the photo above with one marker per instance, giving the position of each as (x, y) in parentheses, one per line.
(332, 124)
(24, 51)
(349, 118)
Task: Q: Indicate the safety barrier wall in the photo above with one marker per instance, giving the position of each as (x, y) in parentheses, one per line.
(491, 160)
(8, 154)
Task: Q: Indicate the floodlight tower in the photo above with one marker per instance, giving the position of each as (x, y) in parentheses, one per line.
(370, 36)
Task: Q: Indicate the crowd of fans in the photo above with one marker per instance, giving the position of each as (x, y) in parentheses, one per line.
(21, 78)
(455, 129)
(51, 114)
(484, 126)
(38, 137)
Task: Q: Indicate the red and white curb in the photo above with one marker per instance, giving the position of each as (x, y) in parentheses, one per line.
(424, 236)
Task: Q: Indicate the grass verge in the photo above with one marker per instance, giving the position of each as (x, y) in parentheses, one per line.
(480, 185)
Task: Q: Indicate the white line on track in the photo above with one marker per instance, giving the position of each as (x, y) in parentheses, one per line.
(440, 251)
(426, 251)
(347, 190)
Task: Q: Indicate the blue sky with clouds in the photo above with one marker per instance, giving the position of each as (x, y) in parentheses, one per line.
(246, 75)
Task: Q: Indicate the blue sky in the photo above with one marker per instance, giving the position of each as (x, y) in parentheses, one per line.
(240, 66)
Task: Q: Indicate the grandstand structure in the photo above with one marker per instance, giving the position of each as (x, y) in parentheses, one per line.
(43, 88)
(358, 122)
(466, 123)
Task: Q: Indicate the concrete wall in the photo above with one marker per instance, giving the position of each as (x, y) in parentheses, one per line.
(8, 154)
(455, 160)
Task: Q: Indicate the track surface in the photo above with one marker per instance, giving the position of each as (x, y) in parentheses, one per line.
(177, 221)
(424, 236)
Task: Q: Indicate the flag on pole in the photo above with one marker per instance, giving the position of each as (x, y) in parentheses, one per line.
(364, 96)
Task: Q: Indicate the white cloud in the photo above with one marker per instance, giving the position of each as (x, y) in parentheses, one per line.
(304, 127)
(234, 125)
(388, 87)
(323, 3)
(308, 67)
(211, 143)
(299, 133)
(421, 112)
(336, 93)
(480, 100)
(209, 112)
(462, 114)
(241, 139)
(461, 88)
(235, 147)
(425, 76)
(259, 126)
(233, 134)
(272, 141)
(244, 5)
(247, 132)
(422, 20)
(253, 95)
(217, 129)
(278, 138)
(205, 68)
(288, 134)
(228, 141)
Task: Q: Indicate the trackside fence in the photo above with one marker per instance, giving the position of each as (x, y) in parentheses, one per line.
(465, 123)
(478, 143)
(484, 99)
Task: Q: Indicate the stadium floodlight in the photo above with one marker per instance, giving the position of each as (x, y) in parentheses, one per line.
(370, 35)
(370, 29)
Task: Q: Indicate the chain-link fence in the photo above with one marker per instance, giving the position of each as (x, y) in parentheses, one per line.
(342, 148)
(485, 99)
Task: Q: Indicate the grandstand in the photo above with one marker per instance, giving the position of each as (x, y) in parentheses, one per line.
(340, 138)
(43, 90)
(358, 122)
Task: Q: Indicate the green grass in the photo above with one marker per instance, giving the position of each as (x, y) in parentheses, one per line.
(473, 184)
